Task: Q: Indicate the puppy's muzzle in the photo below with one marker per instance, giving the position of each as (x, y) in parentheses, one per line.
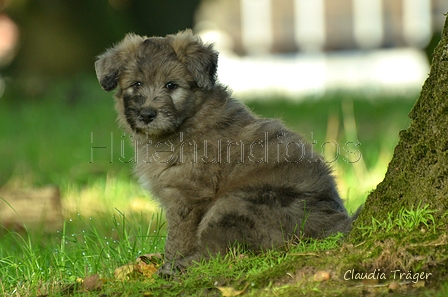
(147, 115)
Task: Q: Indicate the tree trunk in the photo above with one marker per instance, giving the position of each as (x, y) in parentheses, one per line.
(418, 172)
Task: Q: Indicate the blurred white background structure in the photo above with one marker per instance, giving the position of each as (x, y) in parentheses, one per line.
(307, 47)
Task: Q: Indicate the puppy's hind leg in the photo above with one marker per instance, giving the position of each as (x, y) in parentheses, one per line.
(235, 219)
(221, 231)
(199, 233)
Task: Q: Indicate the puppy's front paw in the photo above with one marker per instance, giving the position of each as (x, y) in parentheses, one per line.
(169, 270)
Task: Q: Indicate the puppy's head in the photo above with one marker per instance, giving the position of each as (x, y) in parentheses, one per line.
(157, 79)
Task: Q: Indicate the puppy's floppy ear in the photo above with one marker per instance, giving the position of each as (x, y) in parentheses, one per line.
(201, 60)
(109, 65)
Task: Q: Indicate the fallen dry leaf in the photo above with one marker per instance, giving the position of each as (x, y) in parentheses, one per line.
(321, 276)
(394, 286)
(146, 269)
(145, 265)
(122, 272)
(229, 291)
(92, 283)
(155, 258)
(148, 264)
(419, 284)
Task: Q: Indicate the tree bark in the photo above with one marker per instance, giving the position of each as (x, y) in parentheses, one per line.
(418, 172)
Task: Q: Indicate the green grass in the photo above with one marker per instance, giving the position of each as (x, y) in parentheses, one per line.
(33, 263)
(30, 267)
(110, 220)
(405, 220)
(48, 139)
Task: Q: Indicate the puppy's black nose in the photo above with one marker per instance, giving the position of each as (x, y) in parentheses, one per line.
(147, 115)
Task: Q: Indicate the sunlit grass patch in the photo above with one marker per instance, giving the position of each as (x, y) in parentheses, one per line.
(37, 264)
(105, 194)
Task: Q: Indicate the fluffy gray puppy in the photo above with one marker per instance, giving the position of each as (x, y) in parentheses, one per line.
(222, 174)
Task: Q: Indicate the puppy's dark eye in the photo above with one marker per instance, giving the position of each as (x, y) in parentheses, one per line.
(171, 86)
(137, 84)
